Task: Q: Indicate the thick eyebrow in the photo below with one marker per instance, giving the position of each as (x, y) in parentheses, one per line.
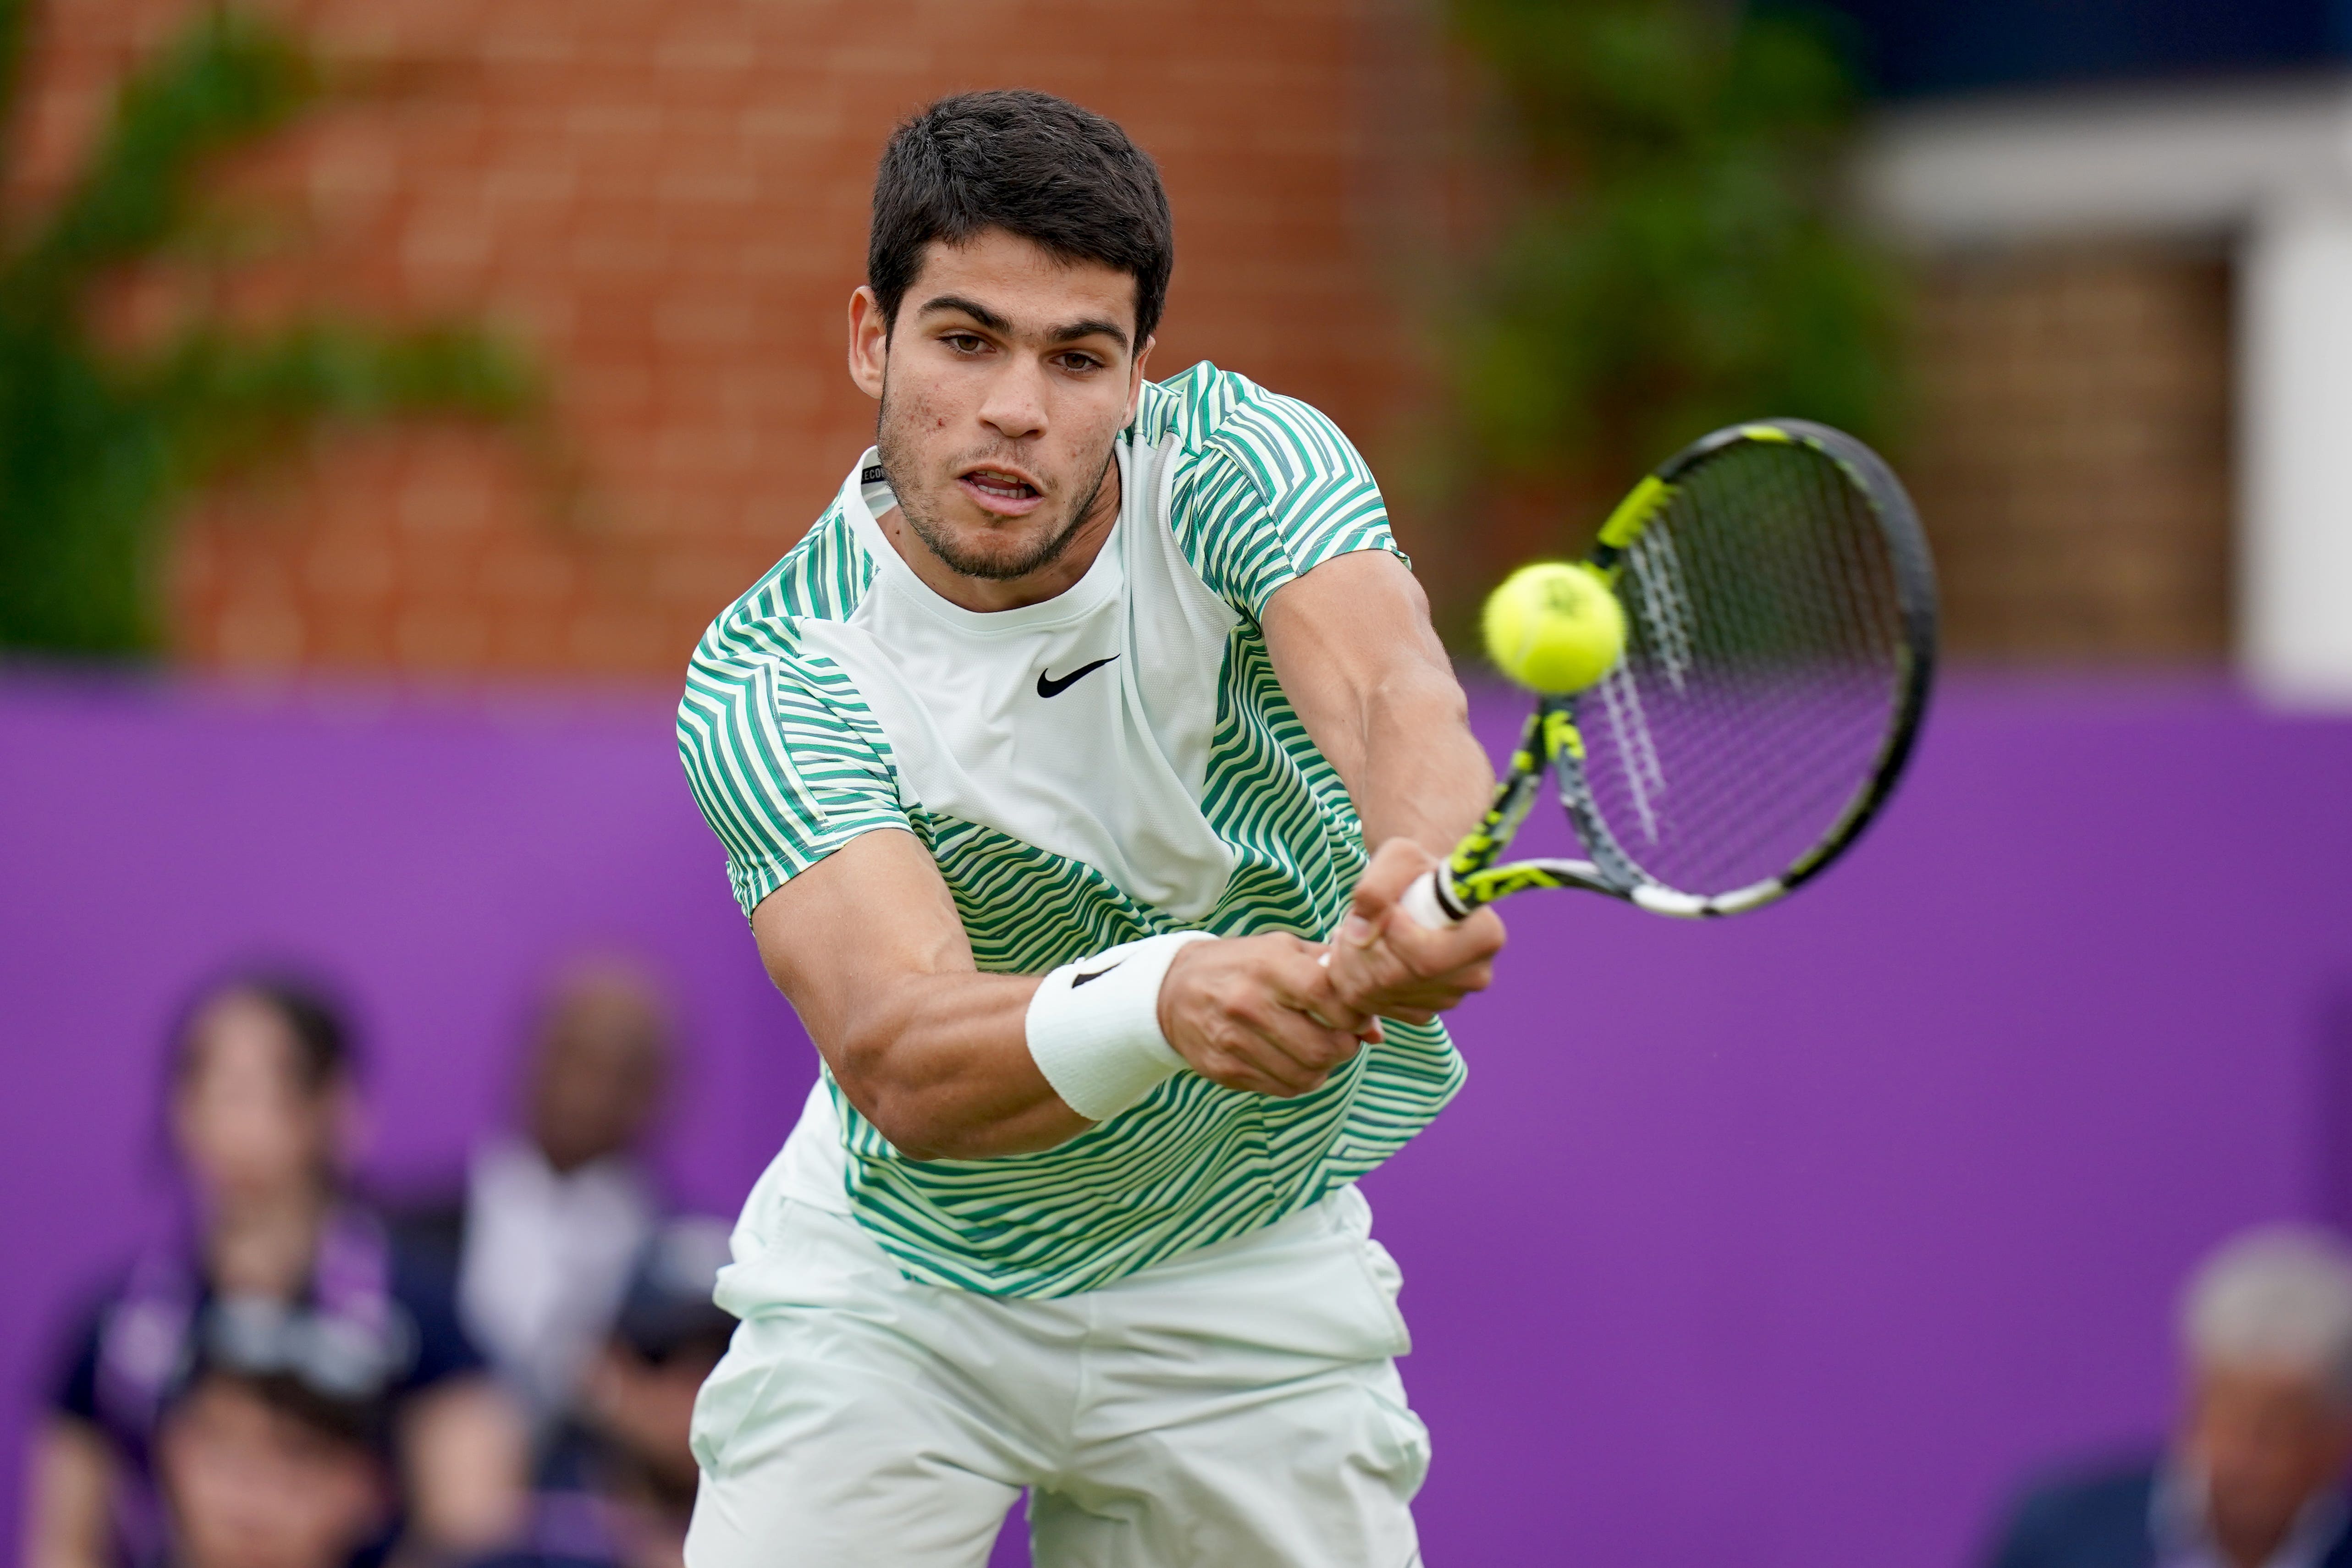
(1088, 329)
(989, 319)
(972, 307)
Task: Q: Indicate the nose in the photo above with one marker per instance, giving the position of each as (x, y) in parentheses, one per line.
(1015, 405)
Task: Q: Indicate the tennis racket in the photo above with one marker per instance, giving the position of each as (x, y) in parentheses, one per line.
(1780, 640)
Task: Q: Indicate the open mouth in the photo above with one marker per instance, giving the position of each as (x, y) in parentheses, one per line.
(998, 489)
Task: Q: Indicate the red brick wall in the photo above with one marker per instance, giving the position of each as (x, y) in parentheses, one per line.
(666, 198)
(2071, 453)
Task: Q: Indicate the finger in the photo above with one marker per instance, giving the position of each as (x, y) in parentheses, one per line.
(1311, 1049)
(1365, 979)
(1386, 979)
(1339, 1012)
(1393, 869)
(1394, 865)
(1250, 1042)
(1383, 964)
(1238, 1058)
(1438, 992)
(1426, 953)
(1234, 1073)
(1306, 986)
(1281, 1081)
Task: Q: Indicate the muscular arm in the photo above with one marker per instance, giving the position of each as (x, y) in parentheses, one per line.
(1356, 654)
(868, 947)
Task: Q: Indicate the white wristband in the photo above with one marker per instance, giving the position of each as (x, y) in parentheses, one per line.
(1094, 1025)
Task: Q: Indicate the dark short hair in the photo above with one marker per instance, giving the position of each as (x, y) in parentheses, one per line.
(1062, 177)
(323, 1045)
(348, 1421)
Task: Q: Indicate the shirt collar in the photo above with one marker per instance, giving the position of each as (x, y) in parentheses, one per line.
(1098, 585)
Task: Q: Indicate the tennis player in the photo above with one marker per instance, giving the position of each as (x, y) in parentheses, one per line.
(1045, 764)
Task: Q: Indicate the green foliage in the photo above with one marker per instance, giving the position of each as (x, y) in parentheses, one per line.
(100, 445)
(1674, 260)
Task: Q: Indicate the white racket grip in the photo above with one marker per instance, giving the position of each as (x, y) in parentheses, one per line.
(1420, 901)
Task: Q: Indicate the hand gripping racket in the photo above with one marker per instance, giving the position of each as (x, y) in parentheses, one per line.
(1781, 639)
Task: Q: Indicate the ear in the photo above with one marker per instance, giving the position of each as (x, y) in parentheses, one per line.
(869, 341)
(1135, 377)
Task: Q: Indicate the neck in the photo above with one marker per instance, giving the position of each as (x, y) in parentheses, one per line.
(988, 594)
(262, 1244)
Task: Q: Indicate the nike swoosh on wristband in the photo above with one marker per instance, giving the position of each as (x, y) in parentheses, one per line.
(1077, 980)
(1049, 688)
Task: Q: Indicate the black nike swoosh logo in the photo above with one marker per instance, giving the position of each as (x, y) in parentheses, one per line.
(1077, 980)
(1049, 688)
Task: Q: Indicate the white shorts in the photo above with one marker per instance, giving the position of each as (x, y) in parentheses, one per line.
(1235, 1406)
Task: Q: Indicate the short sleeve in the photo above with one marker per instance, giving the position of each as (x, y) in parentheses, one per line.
(1277, 491)
(783, 770)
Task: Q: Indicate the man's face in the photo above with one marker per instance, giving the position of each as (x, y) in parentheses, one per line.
(599, 1073)
(1007, 377)
(2267, 1439)
(252, 1487)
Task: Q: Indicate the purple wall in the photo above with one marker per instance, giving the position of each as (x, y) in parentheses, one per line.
(1784, 1242)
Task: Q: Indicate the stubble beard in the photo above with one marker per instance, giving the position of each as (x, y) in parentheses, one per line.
(940, 542)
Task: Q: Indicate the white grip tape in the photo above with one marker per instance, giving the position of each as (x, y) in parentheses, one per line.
(1094, 1025)
(1420, 901)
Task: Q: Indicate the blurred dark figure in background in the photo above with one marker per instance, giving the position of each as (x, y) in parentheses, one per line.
(264, 1470)
(555, 1219)
(2256, 1476)
(272, 1267)
(620, 1489)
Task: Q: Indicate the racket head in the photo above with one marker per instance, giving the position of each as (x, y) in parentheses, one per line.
(1781, 647)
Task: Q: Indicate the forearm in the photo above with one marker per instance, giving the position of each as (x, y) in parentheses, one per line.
(867, 946)
(951, 1064)
(1352, 645)
(941, 1064)
(975, 1066)
(1420, 773)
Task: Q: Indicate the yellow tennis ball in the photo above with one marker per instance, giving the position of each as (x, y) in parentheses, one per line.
(1554, 627)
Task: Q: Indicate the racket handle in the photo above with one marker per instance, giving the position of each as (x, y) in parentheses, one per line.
(1423, 902)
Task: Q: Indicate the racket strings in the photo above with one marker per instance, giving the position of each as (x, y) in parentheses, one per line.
(1775, 718)
(1764, 650)
(1658, 583)
(1793, 692)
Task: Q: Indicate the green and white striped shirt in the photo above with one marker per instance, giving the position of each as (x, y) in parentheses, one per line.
(1116, 762)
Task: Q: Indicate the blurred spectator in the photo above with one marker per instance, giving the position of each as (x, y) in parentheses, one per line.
(273, 1268)
(554, 1218)
(265, 1470)
(621, 1488)
(2256, 1474)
